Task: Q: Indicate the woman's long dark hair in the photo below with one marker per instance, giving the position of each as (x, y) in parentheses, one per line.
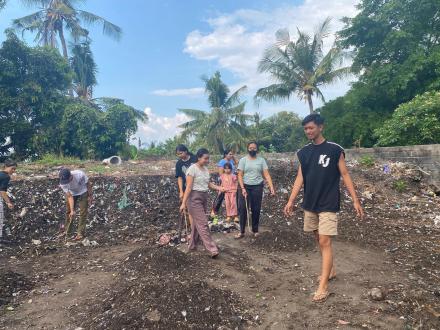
(201, 152)
(182, 148)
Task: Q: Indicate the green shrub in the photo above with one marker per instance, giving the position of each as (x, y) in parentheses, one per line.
(414, 122)
(129, 152)
(367, 161)
(400, 185)
(55, 160)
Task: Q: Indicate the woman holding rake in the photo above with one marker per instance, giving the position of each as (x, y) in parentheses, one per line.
(196, 199)
(252, 172)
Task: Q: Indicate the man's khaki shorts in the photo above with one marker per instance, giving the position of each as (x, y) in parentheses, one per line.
(326, 223)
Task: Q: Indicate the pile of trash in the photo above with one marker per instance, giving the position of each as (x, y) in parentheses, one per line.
(123, 209)
(163, 288)
(157, 283)
(12, 284)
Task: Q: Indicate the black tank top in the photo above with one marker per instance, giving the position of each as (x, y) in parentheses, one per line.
(319, 165)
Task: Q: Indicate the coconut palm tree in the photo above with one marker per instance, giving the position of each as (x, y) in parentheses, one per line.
(85, 69)
(55, 17)
(2, 4)
(225, 124)
(300, 67)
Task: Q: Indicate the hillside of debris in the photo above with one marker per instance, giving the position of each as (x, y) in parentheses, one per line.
(162, 287)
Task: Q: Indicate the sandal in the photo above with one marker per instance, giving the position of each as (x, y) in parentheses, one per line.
(320, 298)
(239, 236)
(256, 235)
(214, 256)
(78, 238)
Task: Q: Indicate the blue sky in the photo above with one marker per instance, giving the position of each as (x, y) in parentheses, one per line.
(168, 45)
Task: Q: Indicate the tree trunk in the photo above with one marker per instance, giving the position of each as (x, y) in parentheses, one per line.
(63, 43)
(309, 100)
(220, 146)
(65, 54)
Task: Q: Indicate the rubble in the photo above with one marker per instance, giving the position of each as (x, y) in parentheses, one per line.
(376, 294)
(11, 284)
(155, 283)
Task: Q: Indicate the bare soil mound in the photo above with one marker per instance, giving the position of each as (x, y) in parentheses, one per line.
(163, 288)
(284, 240)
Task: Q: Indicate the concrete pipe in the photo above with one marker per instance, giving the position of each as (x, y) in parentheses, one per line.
(113, 160)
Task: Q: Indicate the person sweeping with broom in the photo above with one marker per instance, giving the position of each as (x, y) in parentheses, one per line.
(252, 172)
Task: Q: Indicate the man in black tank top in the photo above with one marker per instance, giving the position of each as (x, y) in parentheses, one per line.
(321, 165)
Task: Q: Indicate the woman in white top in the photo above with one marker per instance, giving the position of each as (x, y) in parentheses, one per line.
(196, 200)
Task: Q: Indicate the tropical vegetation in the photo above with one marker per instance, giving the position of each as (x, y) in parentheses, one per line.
(225, 124)
(57, 17)
(48, 104)
(396, 46)
(46, 99)
(300, 67)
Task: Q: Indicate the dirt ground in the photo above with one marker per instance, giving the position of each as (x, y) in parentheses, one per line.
(128, 281)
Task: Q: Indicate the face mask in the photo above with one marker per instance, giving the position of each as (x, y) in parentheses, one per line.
(252, 153)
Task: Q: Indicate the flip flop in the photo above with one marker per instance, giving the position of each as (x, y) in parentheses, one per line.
(214, 256)
(256, 235)
(320, 298)
(78, 238)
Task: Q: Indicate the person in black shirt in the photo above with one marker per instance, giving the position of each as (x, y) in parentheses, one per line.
(186, 159)
(5, 177)
(322, 163)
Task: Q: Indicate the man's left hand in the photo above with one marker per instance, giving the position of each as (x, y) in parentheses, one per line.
(358, 208)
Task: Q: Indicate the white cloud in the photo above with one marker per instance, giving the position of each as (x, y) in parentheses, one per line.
(197, 91)
(237, 40)
(159, 128)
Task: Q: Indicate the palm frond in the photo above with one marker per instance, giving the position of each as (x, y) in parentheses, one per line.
(29, 20)
(193, 113)
(273, 93)
(108, 28)
(235, 97)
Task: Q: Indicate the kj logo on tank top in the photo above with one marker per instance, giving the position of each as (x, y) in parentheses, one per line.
(324, 161)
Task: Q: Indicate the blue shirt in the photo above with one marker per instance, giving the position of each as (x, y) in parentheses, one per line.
(222, 163)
